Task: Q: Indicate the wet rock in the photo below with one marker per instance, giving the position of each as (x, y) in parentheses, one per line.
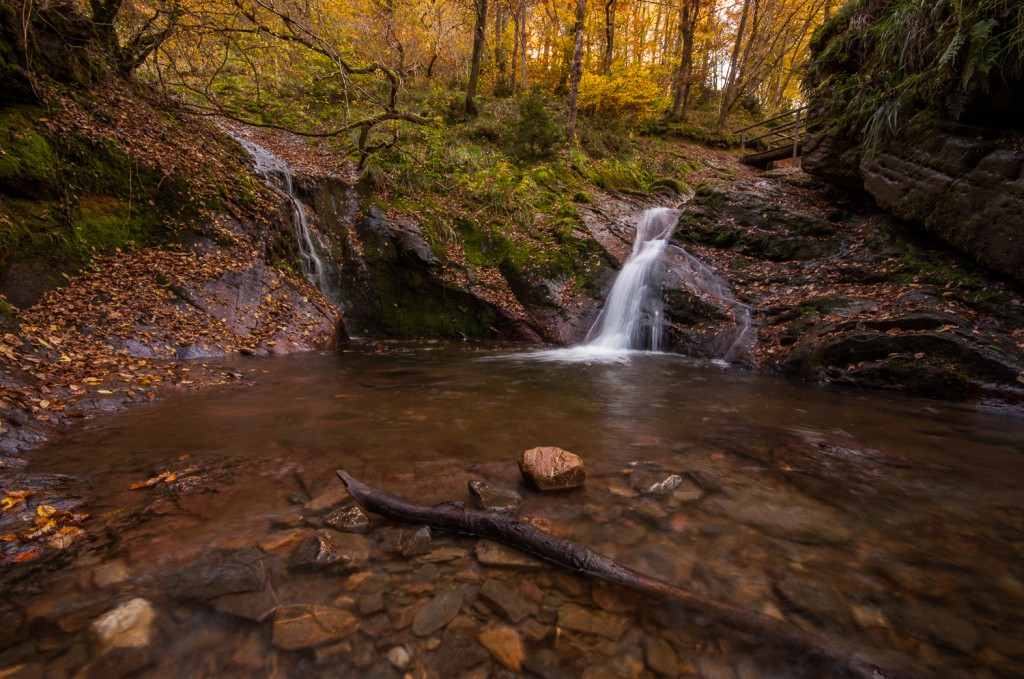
(288, 521)
(328, 500)
(255, 606)
(458, 652)
(510, 604)
(348, 520)
(220, 572)
(937, 624)
(789, 516)
(303, 626)
(661, 658)
(110, 573)
(399, 657)
(283, 542)
(371, 603)
(438, 612)
(545, 663)
(442, 554)
(130, 625)
(504, 644)
(330, 551)
(819, 600)
(550, 468)
(649, 482)
(687, 491)
(494, 499)
(578, 619)
(497, 554)
(413, 542)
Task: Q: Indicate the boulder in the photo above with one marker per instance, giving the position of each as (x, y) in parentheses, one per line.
(550, 468)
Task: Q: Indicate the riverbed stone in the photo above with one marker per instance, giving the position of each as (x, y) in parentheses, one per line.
(937, 624)
(510, 604)
(219, 572)
(789, 515)
(330, 499)
(438, 612)
(821, 600)
(414, 541)
(493, 499)
(662, 659)
(304, 626)
(399, 657)
(256, 606)
(127, 626)
(578, 619)
(330, 551)
(496, 554)
(652, 482)
(348, 520)
(504, 644)
(548, 468)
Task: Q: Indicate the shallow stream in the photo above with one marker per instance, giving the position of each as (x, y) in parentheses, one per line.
(895, 523)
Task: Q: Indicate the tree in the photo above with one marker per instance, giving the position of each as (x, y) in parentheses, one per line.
(689, 13)
(479, 36)
(576, 73)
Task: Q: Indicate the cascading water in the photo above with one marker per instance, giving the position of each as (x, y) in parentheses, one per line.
(279, 174)
(633, 317)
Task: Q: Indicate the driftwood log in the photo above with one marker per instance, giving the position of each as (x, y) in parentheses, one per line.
(523, 536)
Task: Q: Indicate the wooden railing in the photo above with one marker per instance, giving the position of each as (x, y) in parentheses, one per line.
(777, 142)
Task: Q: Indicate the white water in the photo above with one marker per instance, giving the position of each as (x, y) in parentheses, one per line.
(633, 318)
(279, 174)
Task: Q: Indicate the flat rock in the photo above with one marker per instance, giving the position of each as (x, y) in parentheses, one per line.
(127, 626)
(438, 612)
(789, 516)
(550, 468)
(510, 604)
(219, 572)
(578, 619)
(303, 626)
(494, 499)
(821, 600)
(662, 659)
(504, 644)
(328, 500)
(331, 551)
(256, 606)
(497, 554)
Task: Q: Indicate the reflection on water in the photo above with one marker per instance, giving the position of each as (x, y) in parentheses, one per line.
(898, 523)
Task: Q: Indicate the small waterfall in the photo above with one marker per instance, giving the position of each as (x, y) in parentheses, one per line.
(279, 174)
(633, 317)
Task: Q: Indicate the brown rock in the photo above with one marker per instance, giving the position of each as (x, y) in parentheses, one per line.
(550, 468)
(302, 626)
(578, 619)
(504, 644)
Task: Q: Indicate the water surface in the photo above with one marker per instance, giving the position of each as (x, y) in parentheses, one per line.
(894, 522)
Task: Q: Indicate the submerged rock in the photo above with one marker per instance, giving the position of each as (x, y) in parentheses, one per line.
(438, 612)
(302, 626)
(578, 619)
(220, 572)
(505, 645)
(348, 520)
(330, 551)
(504, 600)
(129, 625)
(494, 499)
(550, 468)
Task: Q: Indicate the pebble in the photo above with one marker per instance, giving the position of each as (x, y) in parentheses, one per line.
(438, 612)
(348, 520)
(662, 659)
(504, 644)
(399, 657)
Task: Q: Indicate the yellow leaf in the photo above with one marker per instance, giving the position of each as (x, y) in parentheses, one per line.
(104, 391)
(46, 510)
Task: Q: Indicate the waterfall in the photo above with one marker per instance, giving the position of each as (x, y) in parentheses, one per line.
(279, 174)
(634, 315)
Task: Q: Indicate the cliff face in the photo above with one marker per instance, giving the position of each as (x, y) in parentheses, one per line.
(934, 130)
(967, 190)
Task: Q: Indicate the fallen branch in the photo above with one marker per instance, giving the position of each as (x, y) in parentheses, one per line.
(568, 554)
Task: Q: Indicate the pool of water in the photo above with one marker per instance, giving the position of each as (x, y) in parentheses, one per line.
(895, 523)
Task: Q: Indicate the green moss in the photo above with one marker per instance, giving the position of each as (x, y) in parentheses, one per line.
(28, 164)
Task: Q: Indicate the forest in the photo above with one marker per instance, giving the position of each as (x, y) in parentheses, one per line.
(608, 339)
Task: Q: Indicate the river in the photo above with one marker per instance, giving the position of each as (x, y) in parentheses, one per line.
(894, 522)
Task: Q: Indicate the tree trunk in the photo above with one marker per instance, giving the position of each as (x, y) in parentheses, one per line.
(522, 40)
(576, 73)
(687, 27)
(729, 92)
(609, 35)
(500, 55)
(478, 52)
(540, 543)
